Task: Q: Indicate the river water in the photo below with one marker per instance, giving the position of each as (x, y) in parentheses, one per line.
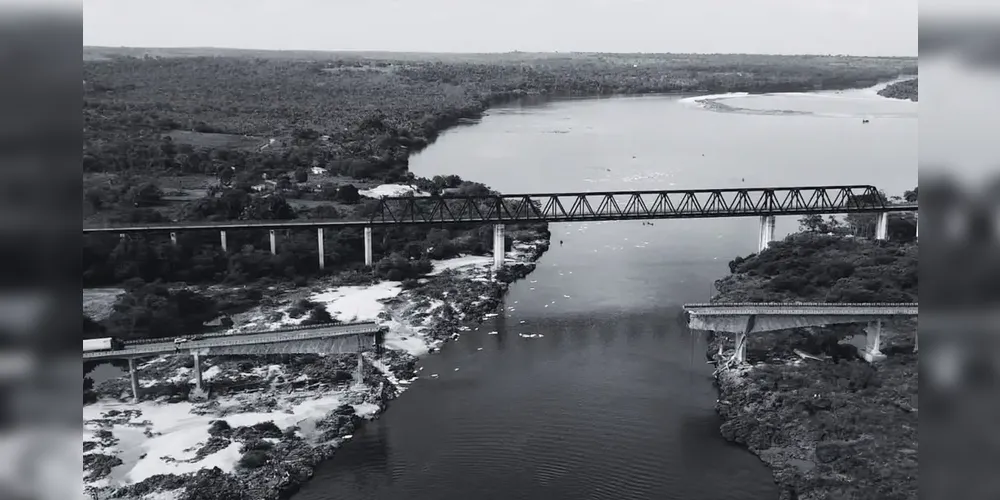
(615, 401)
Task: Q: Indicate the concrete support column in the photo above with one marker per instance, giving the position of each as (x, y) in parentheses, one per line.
(873, 342)
(121, 236)
(173, 238)
(369, 259)
(134, 375)
(917, 236)
(916, 337)
(359, 374)
(197, 372)
(274, 242)
(882, 226)
(222, 237)
(361, 368)
(319, 244)
(740, 355)
(499, 245)
(766, 232)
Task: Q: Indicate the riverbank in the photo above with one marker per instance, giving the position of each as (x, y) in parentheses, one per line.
(272, 419)
(834, 427)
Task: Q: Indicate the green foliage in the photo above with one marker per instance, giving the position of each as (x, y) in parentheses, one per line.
(907, 89)
(153, 310)
(817, 267)
(253, 459)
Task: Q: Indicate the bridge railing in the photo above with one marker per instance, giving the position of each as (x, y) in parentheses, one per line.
(348, 328)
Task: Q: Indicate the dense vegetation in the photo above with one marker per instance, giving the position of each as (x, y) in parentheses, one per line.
(279, 137)
(906, 89)
(841, 427)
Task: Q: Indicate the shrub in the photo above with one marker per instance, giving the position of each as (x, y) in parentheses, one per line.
(253, 459)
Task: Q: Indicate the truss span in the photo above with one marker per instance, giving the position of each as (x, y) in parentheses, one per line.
(632, 205)
(575, 207)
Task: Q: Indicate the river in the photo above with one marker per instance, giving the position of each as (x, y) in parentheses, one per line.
(615, 401)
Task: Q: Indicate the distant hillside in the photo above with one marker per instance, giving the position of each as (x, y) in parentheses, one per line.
(906, 89)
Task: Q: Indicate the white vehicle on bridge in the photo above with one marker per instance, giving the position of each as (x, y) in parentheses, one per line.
(180, 340)
(105, 344)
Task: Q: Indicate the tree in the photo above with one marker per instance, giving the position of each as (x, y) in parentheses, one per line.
(911, 196)
(815, 224)
(146, 195)
(348, 194)
(301, 175)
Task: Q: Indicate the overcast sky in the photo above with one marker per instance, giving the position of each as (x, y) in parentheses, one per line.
(858, 27)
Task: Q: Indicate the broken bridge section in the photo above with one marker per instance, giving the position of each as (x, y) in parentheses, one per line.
(318, 339)
(745, 318)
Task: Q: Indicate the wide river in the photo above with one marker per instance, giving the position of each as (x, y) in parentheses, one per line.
(615, 401)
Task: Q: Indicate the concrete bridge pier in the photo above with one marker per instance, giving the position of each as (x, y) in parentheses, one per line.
(200, 392)
(198, 382)
(766, 232)
(319, 244)
(134, 375)
(361, 369)
(740, 355)
(369, 258)
(882, 226)
(222, 237)
(499, 245)
(274, 242)
(173, 238)
(873, 342)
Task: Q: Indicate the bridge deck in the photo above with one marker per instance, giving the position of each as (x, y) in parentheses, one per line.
(804, 309)
(167, 346)
(578, 207)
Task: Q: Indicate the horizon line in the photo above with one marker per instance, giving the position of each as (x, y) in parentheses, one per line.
(434, 52)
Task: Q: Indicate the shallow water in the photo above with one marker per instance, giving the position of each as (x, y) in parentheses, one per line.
(615, 401)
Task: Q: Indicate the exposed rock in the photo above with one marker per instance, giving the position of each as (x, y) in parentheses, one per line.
(99, 465)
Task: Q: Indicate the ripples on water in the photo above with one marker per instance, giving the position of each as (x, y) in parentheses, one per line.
(615, 400)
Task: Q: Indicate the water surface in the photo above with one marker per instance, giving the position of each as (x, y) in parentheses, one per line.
(615, 401)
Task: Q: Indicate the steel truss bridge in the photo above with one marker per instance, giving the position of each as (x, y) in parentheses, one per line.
(578, 207)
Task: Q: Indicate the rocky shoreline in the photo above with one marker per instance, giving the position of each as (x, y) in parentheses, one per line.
(275, 457)
(835, 427)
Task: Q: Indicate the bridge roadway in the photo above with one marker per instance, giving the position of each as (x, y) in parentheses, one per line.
(744, 318)
(576, 207)
(315, 339)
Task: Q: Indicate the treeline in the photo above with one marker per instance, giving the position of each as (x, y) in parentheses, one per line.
(156, 310)
(363, 122)
(907, 89)
(824, 268)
